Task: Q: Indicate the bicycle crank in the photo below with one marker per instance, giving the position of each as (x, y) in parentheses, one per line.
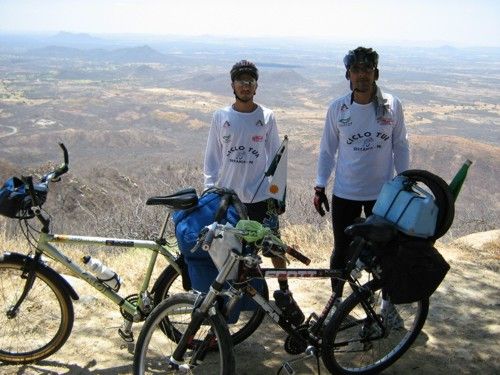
(295, 346)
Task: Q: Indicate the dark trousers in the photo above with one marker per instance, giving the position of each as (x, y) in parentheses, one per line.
(344, 213)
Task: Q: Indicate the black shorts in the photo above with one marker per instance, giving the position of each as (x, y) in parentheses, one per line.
(265, 212)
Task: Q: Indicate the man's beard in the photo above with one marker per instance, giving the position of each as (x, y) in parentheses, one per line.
(363, 86)
(242, 100)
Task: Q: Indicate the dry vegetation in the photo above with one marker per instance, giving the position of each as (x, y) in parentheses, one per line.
(136, 130)
(460, 335)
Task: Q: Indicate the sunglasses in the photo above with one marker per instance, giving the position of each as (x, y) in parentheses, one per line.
(361, 69)
(250, 82)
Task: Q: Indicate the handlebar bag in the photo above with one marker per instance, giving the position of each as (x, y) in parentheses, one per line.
(412, 269)
(15, 202)
(13, 197)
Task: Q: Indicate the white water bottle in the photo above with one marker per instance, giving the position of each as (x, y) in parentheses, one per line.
(103, 273)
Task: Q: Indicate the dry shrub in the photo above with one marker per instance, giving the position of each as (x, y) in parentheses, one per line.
(314, 242)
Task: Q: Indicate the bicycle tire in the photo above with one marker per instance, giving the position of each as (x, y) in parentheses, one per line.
(44, 320)
(248, 321)
(442, 195)
(168, 284)
(352, 341)
(153, 348)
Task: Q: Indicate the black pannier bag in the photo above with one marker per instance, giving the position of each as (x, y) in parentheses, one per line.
(412, 269)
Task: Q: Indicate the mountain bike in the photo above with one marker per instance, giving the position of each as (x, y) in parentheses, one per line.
(183, 314)
(37, 301)
(358, 336)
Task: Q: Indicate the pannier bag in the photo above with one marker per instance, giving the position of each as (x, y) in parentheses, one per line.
(188, 224)
(15, 201)
(412, 269)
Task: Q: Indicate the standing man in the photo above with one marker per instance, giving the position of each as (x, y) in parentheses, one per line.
(365, 140)
(242, 142)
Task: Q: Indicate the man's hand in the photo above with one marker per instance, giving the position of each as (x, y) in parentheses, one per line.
(320, 199)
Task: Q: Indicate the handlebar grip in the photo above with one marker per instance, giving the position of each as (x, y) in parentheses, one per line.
(298, 255)
(63, 168)
(65, 152)
(207, 241)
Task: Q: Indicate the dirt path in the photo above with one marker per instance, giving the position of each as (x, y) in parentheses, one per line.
(461, 335)
(12, 131)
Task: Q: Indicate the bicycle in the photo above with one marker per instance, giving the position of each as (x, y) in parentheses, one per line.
(38, 315)
(357, 339)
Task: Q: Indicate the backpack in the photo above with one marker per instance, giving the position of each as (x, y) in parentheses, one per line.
(412, 269)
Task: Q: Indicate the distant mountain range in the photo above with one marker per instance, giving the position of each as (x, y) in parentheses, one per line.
(142, 54)
(72, 39)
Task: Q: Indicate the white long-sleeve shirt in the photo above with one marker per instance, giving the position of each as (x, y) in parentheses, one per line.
(365, 143)
(240, 148)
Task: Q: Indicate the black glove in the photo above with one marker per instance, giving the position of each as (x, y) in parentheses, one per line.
(320, 199)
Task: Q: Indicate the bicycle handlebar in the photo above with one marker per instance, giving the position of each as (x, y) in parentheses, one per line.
(55, 174)
(42, 187)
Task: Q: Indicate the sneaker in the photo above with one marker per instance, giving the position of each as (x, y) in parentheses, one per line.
(285, 301)
(391, 317)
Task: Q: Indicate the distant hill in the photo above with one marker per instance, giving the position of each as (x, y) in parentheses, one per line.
(81, 40)
(140, 54)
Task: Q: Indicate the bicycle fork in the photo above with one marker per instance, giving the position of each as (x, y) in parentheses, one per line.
(29, 275)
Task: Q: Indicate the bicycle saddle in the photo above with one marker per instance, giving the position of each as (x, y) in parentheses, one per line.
(181, 200)
(374, 228)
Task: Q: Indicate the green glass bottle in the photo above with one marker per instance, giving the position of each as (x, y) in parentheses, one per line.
(458, 180)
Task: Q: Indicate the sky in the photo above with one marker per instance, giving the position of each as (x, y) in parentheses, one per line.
(458, 23)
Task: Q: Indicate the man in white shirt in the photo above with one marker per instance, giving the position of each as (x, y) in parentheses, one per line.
(365, 140)
(242, 142)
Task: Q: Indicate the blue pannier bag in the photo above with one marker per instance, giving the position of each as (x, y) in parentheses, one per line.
(188, 224)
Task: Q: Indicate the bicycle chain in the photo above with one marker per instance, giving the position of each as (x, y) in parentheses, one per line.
(295, 346)
(133, 299)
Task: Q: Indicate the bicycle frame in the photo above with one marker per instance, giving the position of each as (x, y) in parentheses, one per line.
(45, 246)
(274, 312)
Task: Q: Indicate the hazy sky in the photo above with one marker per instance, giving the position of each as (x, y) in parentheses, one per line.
(456, 22)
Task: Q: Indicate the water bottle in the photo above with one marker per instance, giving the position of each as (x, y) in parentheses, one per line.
(458, 180)
(287, 304)
(103, 273)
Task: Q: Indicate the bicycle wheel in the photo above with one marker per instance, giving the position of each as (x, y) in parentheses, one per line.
(154, 348)
(170, 284)
(357, 342)
(42, 323)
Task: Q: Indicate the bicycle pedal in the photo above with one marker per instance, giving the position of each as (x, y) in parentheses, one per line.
(126, 336)
(313, 317)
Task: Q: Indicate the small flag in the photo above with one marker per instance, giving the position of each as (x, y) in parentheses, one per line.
(278, 172)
